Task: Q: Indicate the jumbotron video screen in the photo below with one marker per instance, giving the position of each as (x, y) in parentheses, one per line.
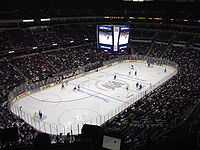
(113, 38)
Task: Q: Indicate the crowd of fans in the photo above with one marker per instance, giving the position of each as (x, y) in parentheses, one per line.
(164, 36)
(158, 49)
(140, 48)
(43, 38)
(9, 78)
(142, 34)
(39, 66)
(157, 112)
(26, 133)
(145, 120)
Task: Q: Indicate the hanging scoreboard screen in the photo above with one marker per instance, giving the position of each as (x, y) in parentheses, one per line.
(113, 38)
(123, 38)
(105, 37)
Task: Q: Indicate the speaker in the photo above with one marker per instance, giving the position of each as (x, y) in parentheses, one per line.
(9, 134)
(93, 132)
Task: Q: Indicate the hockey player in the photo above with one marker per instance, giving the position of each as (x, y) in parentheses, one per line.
(129, 73)
(20, 108)
(137, 84)
(165, 70)
(135, 73)
(115, 77)
(63, 85)
(127, 88)
(132, 67)
(40, 114)
(74, 88)
(140, 86)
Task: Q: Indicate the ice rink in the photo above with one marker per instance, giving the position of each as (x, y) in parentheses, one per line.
(99, 98)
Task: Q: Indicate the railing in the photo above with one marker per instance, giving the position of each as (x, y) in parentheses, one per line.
(51, 128)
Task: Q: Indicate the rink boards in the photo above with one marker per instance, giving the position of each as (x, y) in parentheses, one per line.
(99, 98)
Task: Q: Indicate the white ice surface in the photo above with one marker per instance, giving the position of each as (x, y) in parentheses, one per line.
(99, 97)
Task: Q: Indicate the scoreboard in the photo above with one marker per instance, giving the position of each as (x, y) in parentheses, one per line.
(113, 38)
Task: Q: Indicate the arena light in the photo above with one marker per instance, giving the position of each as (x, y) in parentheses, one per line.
(11, 52)
(157, 18)
(185, 20)
(71, 41)
(86, 39)
(35, 47)
(141, 18)
(171, 19)
(131, 17)
(54, 44)
(45, 19)
(28, 20)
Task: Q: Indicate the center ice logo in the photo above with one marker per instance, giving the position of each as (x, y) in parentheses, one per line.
(112, 84)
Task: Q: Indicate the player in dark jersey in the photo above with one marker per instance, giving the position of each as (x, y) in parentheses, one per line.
(115, 77)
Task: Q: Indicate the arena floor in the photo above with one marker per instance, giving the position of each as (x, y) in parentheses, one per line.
(99, 98)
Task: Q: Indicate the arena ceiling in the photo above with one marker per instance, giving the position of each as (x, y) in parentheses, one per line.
(47, 8)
